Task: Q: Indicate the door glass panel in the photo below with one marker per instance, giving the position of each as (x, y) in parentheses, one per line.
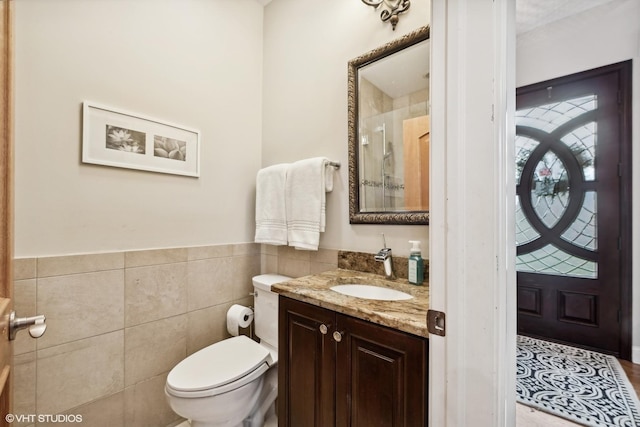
(550, 116)
(525, 232)
(524, 147)
(582, 143)
(582, 232)
(551, 194)
(551, 260)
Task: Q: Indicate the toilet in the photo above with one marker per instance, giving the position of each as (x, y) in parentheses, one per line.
(233, 382)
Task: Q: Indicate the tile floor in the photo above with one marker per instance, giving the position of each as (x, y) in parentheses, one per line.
(525, 417)
(530, 417)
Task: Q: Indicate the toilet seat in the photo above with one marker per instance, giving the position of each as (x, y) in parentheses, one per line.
(219, 368)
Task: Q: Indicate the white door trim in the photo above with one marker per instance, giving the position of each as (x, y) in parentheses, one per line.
(472, 238)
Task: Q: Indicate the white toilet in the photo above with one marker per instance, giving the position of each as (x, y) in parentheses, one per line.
(233, 382)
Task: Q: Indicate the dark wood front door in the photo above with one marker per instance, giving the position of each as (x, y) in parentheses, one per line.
(573, 211)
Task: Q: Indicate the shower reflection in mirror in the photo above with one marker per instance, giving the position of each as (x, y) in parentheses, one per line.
(393, 119)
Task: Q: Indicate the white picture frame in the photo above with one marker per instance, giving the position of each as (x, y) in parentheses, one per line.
(114, 137)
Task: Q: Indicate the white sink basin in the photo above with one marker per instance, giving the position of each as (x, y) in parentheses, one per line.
(371, 292)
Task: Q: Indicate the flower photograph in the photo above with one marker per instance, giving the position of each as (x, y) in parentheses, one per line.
(122, 139)
(108, 136)
(169, 148)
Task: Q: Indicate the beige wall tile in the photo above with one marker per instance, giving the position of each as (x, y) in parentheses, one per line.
(293, 253)
(87, 357)
(24, 386)
(240, 249)
(204, 252)
(293, 267)
(146, 404)
(268, 263)
(105, 412)
(80, 305)
(74, 264)
(24, 268)
(155, 347)
(155, 257)
(206, 326)
(24, 303)
(155, 292)
(210, 282)
(269, 249)
(244, 268)
(318, 267)
(326, 256)
(79, 372)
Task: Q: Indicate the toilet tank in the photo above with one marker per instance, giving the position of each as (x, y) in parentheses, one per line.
(266, 307)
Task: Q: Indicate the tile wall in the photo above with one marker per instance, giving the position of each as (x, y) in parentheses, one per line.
(118, 322)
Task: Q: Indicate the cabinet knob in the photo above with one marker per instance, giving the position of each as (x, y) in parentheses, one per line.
(337, 336)
(323, 329)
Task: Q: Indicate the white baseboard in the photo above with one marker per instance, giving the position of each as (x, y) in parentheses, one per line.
(635, 354)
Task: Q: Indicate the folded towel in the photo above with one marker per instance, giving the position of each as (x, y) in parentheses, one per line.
(271, 223)
(328, 188)
(305, 202)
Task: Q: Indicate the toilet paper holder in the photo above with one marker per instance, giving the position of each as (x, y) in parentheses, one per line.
(239, 320)
(36, 325)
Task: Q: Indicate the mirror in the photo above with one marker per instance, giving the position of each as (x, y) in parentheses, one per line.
(389, 133)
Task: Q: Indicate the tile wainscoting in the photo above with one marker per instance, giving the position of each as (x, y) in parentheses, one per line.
(119, 322)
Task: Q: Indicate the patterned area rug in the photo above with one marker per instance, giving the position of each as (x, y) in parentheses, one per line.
(583, 386)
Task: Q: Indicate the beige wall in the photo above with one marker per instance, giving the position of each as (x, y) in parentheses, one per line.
(307, 45)
(119, 314)
(199, 64)
(196, 63)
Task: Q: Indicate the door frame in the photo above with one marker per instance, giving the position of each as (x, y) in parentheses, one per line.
(624, 70)
(472, 227)
(6, 205)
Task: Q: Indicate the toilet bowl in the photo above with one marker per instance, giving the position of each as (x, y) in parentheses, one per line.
(232, 382)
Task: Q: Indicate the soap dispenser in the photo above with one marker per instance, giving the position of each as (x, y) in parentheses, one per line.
(416, 264)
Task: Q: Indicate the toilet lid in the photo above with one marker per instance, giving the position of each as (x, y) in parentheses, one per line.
(219, 364)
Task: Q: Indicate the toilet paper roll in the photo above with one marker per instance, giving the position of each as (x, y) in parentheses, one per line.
(238, 316)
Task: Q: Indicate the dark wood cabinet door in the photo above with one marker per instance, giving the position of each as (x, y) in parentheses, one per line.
(336, 370)
(381, 376)
(306, 367)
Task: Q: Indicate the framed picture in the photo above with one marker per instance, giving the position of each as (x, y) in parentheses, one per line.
(118, 138)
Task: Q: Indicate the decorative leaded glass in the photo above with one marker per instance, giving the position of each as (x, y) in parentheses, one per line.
(555, 151)
(552, 260)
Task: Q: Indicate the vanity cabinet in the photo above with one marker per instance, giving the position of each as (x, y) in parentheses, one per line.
(336, 370)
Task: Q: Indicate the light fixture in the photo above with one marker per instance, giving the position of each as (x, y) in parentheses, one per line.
(390, 9)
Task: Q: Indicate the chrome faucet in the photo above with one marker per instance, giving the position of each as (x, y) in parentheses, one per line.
(384, 256)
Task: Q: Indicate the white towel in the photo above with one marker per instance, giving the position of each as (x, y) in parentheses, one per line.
(271, 222)
(328, 188)
(305, 201)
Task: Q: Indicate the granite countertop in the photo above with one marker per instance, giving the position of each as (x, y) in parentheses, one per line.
(408, 315)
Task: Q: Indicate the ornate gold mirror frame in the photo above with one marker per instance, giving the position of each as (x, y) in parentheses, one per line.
(356, 215)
